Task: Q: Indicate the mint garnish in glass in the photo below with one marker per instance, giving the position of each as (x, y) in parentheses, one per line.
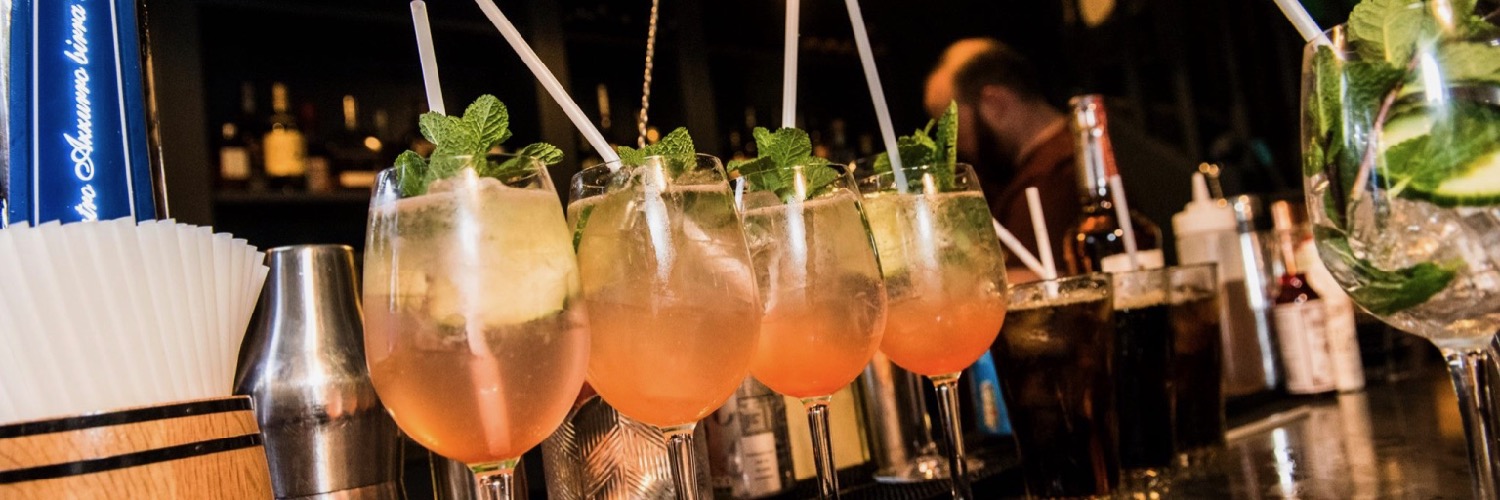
(484, 125)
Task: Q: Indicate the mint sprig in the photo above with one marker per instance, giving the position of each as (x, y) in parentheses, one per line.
(1385, 292)
(935, 146)
(780, 155)
(676, 148)
(484, 125)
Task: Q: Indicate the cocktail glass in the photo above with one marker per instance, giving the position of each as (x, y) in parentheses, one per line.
(825, 301)
(945, 279)
(1400, 167)
(473, 334)
(670, 293)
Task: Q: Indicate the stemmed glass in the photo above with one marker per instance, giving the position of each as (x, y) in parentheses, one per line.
(1399, 168)
(670, 292)
(473, 336)
(945, 279)
(824, 298)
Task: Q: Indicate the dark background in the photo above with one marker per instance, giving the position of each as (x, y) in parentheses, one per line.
(1217, 79)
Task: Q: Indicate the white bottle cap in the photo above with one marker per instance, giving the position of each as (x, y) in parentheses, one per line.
(1203, 214)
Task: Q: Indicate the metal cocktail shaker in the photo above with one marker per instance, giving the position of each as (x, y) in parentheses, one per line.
(303, 363)
(900, 431)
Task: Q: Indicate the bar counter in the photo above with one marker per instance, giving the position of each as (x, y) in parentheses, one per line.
(1394, 440)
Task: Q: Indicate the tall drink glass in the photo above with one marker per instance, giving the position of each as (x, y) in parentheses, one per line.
(670, 292)
(1399, 169)
(1055, 358)
(473, 333)
(1197, 362)
(825, 302)
(945, 278)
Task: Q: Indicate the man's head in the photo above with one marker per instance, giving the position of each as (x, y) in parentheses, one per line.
(1000, 103)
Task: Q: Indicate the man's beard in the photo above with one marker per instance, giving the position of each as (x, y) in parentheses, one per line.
(993, 167)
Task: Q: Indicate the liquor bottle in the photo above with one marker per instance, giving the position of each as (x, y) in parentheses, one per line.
(234, 158)
(750, 450)
(1338, 311)
(284, 147)
(354, 153)
(1299, 315)
(1095, 242)
(846, 431)
(250, 126)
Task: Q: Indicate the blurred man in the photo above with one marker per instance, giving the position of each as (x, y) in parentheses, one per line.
(1016, 139)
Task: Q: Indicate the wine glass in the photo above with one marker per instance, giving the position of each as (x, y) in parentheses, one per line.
(824, 298)
(945, 279)
(1399, 174)
(473, 334)
(670, 293)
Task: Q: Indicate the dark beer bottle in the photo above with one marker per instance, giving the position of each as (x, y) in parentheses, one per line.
(1095, 243)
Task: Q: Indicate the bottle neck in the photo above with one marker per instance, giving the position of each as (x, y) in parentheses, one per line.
(1288, 243)
(351, 116)
(1093, 156)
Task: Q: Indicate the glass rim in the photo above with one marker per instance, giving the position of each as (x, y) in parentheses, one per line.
(1093, 276)
(867, 175)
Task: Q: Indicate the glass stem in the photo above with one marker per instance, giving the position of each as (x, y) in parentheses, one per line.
(958, 467)
(817, 422)
(680, 452)
(493, 481)
(1470, 373)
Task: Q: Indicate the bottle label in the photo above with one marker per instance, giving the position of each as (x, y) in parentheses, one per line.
(1300, 328)
(1120, 263)
(76, 121)
(234, 163)
(761, 470)
(1343, 345)
(285, 153)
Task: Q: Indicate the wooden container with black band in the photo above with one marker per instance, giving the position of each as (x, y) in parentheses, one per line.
(207, 449)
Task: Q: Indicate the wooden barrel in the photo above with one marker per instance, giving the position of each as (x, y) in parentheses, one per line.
(208, 448)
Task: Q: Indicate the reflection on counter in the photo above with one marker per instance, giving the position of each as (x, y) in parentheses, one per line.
(1402, 440)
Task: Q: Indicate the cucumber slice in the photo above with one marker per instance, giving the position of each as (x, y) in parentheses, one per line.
(1479, 185)
(1404, 128)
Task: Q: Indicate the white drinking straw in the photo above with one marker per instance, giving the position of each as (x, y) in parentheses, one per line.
(872, 77)
(1302, 21)
(789, 63)
(549, 82)
(1122, 212)
(428, 56)
(1039, 226)
(1017, 248)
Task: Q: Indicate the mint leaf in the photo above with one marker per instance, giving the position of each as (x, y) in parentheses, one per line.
(583, 221)
(436, 126)
(786, 146)
(411, 171)
(781, 155)
(676, 147)
(946, 142)
(1380, 291)
(1466, 132)
(466, 142)
(1389, 29)
(489, 120)
(1470, 62)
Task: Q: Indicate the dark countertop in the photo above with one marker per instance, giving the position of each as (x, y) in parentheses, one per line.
(1393, 440)
(1399, 440)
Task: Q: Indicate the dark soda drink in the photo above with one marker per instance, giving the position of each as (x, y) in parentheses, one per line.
(1143, 392)
(1198, 373)
(1055, 360)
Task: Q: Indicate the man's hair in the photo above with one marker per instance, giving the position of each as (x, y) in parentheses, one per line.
(991, 62)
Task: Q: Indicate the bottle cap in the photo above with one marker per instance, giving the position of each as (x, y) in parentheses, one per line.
(1203, 214)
